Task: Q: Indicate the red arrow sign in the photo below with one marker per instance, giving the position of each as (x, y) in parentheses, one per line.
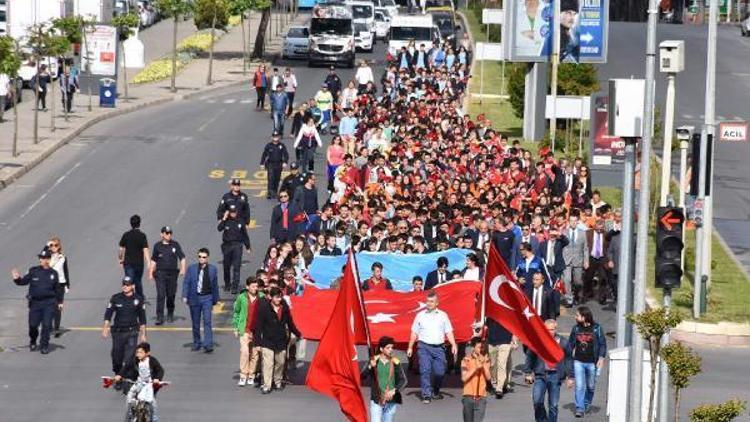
(669, 218)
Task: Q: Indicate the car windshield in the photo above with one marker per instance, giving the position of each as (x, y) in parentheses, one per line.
(410, 32)
(360, 27)
(437, 3)
(443, 22)
(379, 17)
(297, 33)
(387, 3)
(331, 26)
(361, 11)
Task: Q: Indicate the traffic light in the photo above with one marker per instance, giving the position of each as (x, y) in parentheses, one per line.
(669, 247)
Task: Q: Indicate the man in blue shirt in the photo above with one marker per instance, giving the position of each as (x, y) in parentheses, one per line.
(279, 105)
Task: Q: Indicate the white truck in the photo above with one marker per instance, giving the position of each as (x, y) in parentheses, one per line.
(21, 14)
(408, 28)
(331, 35)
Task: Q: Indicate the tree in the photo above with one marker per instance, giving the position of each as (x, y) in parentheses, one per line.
(211, 14)
(71, 29)
(517, 87)
(10, 63)
(260, 38)
(174, 9)
(124, 25)
(44, 42)
(683, 364)
(724, 412)
(577, 79)
(240, 7)
(653, 324)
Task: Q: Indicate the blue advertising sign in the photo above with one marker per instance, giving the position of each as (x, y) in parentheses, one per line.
(583, 29)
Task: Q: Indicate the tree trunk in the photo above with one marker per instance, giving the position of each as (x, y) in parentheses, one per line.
(260, 38)
(244, 44)
(172, 86)
(36, 104)
(64, 92)
(249, 34)
(88, 67)
(654, 348)
(124, 72)
(52, 100)
(209, 78)
(677, 405)
(15, 120)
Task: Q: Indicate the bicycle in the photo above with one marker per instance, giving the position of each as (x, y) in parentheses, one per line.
(138, 410)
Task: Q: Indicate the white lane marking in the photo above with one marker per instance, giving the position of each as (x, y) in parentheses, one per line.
(179, 217)
(688, 116)
(210, 101)
(211, 120)
(246, 101)
(229, 101)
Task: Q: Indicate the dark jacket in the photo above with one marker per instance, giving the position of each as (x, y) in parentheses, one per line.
(273, 332)
(130, 370)
(43, 284)
(399, 381)
(559, 265)
(432, 279)
(600, 342)
(536, 366)
(550, 301)
(190, 284)
(278, 232)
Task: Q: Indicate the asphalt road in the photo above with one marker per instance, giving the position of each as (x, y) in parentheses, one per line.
(171, 164)
(627, 47)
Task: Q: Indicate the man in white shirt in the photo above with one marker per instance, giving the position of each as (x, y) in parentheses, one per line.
(4, 88)
(290, 87)
(364, 76)
(431, 327)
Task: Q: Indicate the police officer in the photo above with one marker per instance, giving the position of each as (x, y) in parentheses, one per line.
(129, 327)
(275, 156)
(237, 198)
(45, 296)
(334, 84)
(292, 180)
(167, 263)
(233, 237)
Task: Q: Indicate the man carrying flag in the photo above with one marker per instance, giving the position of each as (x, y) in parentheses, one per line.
(334, 370)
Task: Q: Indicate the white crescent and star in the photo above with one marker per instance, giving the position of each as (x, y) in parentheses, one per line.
(381, 317)
(494, 291)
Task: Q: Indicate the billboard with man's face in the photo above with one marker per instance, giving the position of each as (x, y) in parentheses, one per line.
(582, 24)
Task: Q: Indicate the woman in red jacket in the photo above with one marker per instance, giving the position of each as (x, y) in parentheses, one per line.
(260, 82)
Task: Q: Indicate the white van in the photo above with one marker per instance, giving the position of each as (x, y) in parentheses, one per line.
(407, 28)
(362, 12)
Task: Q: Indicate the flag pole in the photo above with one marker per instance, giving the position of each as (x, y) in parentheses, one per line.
(355, 270)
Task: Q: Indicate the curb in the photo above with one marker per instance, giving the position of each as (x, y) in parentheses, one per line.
(86, 125)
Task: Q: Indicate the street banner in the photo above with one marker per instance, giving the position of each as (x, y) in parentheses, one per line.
(398, 268)
(605, 150)
(389, 312)
(584, 26)
(101, 43)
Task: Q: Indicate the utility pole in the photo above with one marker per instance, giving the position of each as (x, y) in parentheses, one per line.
(625, 274)
(639, 288)
(703, 232)
(555, 62)
(666, 153)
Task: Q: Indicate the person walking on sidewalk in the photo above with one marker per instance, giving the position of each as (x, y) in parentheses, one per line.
(588, 348)
(260, 83)
(388, 377)
(68, 86)
(279, 106)
(167, 263)
(245, 312)
(40, 81)
(4, 89)
(200, 291)
(59, 263)
(134, 253)
(290, 88)
(475, 372)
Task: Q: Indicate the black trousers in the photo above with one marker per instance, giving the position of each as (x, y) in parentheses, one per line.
(274, 178)
(166, 289)
(41, 312)
(597, 270)
(261, 100)
(57, 317)
(290, 107)
(232, 262)
(67, 100)
(123, 347)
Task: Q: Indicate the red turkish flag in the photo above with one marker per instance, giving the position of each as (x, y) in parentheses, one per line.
(334, 370)
(505, 302)
(390, 312)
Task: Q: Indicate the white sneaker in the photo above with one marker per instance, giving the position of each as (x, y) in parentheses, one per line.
(242, 382)
(251, 381)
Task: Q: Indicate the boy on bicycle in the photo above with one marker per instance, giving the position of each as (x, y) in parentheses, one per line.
(144, 371)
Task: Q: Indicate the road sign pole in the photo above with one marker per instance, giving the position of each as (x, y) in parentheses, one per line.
(681, 203)
(555, 61)
(663, 369)
(639, 288)
(666, 155)
(625, 274)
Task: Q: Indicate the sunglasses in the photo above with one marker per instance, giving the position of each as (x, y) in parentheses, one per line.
(202, 256)
(54, 245)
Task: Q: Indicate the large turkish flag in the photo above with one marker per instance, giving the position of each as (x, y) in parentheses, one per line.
(389, 312)
(505, 302)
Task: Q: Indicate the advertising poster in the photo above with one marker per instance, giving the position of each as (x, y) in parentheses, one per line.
(101, 42)
(605, 150)
(583, 26)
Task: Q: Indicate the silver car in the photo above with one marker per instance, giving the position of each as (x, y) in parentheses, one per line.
(296, 43)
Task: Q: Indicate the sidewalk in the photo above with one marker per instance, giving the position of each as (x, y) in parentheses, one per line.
(191, 81)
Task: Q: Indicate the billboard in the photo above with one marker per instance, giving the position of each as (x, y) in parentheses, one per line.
(583, 30)
(101, 42)
(605, 150)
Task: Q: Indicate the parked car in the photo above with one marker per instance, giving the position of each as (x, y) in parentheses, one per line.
(296, 43)
(446, 23)
(391, 5)
(363, 38)
(19, 92)
(382, 23)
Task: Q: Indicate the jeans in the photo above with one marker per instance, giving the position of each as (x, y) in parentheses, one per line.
(384, 413)
(290, 107)
(203, 307)
(549, 384)
(135, 274)
(585, 375)
(325, 119)
(308, 159)
(278, 120)
(474, 409)
(432, 364)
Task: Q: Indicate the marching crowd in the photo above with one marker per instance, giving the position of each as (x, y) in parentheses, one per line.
(407, 172)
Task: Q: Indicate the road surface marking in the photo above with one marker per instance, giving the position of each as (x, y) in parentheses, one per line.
(179, 217)
(211, 120)
(246, 101)
(688, 116)
(229, 101)
(211, 101)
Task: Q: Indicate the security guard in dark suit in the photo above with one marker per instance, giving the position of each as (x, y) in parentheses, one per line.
(292, 180)
(129, 326)
(237, 198)
(167, 263)
(274, 158)
(45, 296)
(233, 237)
